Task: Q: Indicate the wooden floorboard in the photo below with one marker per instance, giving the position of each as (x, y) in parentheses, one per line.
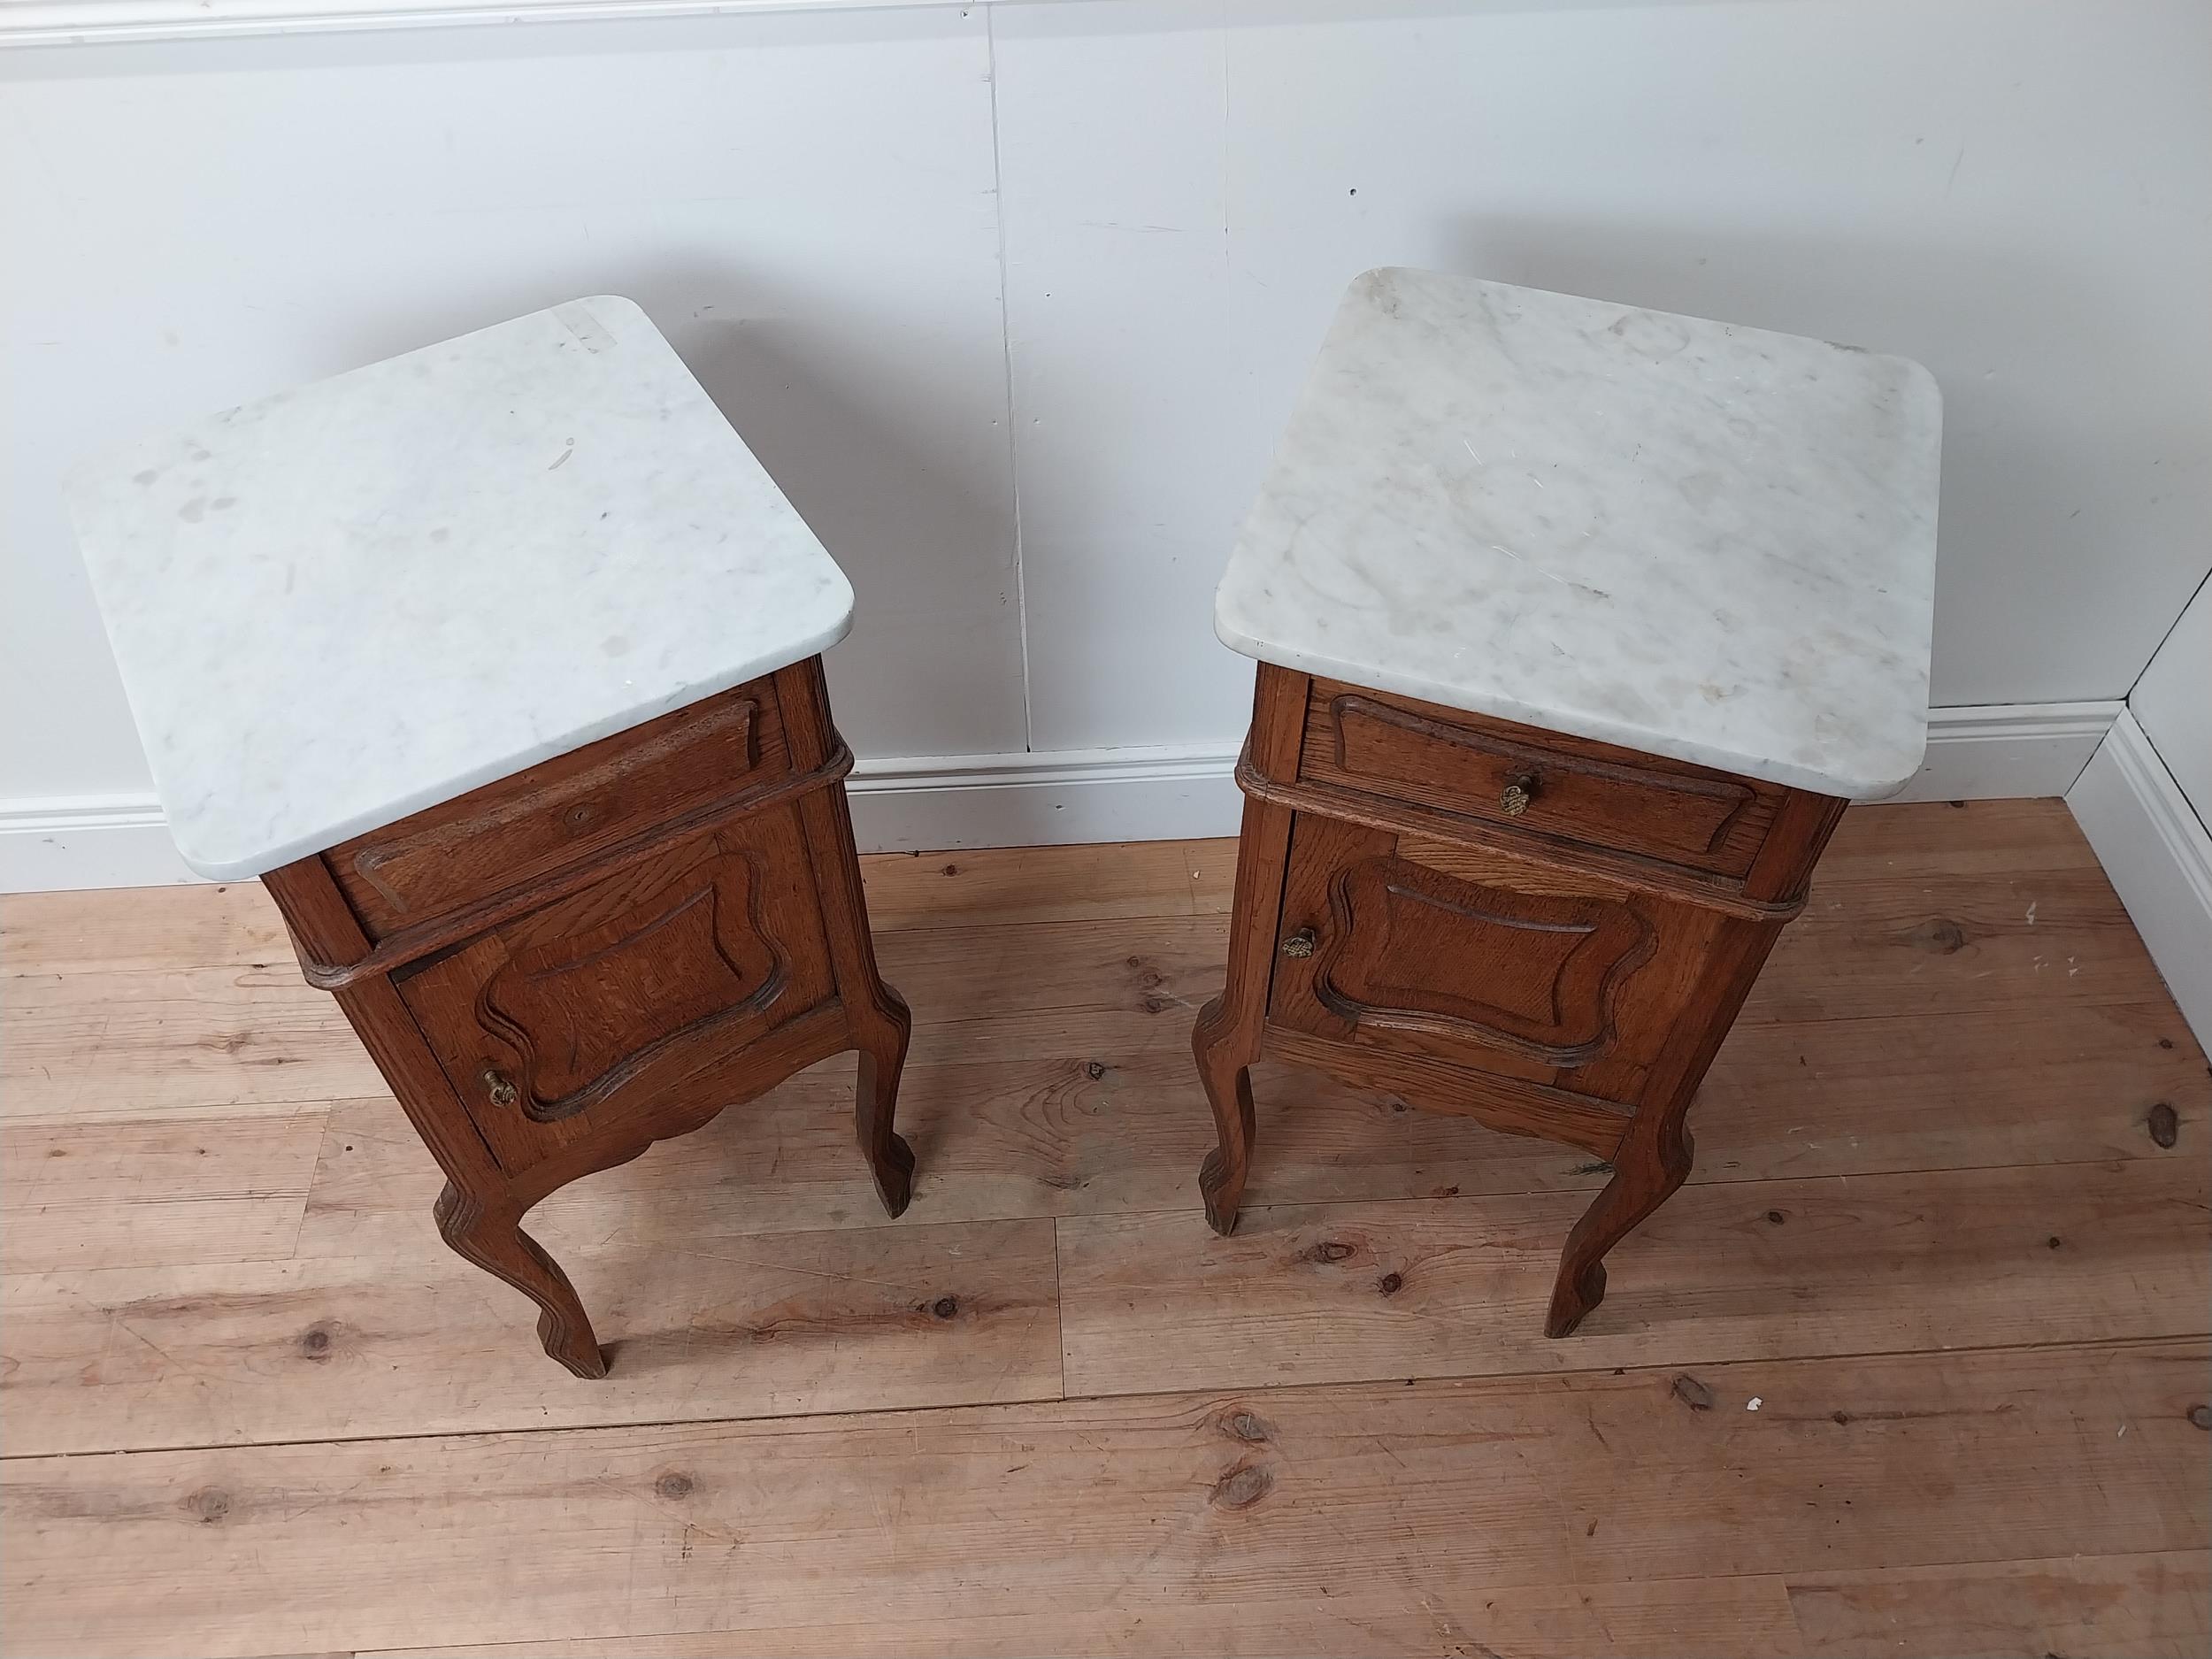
(1033, 884)
(348, 1347)
(1120, 1126)
(115, 1044)
(1967, 838)
(225, 924)
(150, 1191)
(298, 1425)
(1745, 1618)
(773, 1324)
(1878, 947)
(1342, 1293)
(2151, 1606)
(1436, 1493)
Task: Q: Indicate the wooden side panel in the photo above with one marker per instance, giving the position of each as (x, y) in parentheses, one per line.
(556, 1024)
(315, 912)
(824, 849)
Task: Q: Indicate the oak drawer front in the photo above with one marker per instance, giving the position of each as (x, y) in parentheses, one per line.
(571, 1015)
(1545, 974)
(561, 813)
(1510, 776)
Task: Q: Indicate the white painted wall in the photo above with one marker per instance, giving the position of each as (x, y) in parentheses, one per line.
(2018, 195)
(932, 261)
(2173, 703)
(804, 203)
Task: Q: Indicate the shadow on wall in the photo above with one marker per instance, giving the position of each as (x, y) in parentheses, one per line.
(905, 481)
(883, 475)
(2015, 493)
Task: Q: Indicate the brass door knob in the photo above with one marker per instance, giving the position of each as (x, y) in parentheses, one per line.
(499, 1086)
(1300, 943)
(1519, 791)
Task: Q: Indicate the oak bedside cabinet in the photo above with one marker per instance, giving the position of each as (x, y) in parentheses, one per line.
(1578, 627)
(499, 663)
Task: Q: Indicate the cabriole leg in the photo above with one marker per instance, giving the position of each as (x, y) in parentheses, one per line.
(1652, 1160)
(491, 1235)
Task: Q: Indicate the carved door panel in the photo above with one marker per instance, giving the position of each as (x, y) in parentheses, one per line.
(1524, 969)
(614, 1001)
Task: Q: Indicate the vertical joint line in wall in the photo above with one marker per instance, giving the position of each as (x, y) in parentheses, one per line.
(1221, 46)
(1006, 353)
(2203, 582)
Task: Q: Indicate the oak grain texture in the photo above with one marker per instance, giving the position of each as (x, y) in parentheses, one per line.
(603, 1004)
(607, 951)
(1599, 956)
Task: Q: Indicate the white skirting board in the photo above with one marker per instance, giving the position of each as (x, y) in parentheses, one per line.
(1106, 795)
(2009, 751)
(86, 841)
(1046, 800)
(2159, 857)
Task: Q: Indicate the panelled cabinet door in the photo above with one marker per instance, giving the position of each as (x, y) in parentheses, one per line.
(1438, 948)
(601, 1002)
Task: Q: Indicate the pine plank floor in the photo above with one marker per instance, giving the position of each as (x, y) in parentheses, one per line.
(1919, 1363)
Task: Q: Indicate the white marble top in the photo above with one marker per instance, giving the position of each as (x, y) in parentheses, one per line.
(342, 604)
(1680, 536)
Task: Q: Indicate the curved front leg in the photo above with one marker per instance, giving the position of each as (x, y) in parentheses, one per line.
(1653, 1159)
(881, 1035)
(490, 1235)
(1225, 1069)
(1226, 1039)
